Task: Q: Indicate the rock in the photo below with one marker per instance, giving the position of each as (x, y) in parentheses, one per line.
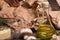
(22, 15)
(58, 2)
(3, 4)
(5, 34)
(30, 2)
(7, 13)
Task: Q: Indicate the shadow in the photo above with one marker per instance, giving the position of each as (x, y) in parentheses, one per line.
(13, 3)
(54, 5)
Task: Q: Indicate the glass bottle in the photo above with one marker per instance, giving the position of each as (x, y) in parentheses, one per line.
(46, 29)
